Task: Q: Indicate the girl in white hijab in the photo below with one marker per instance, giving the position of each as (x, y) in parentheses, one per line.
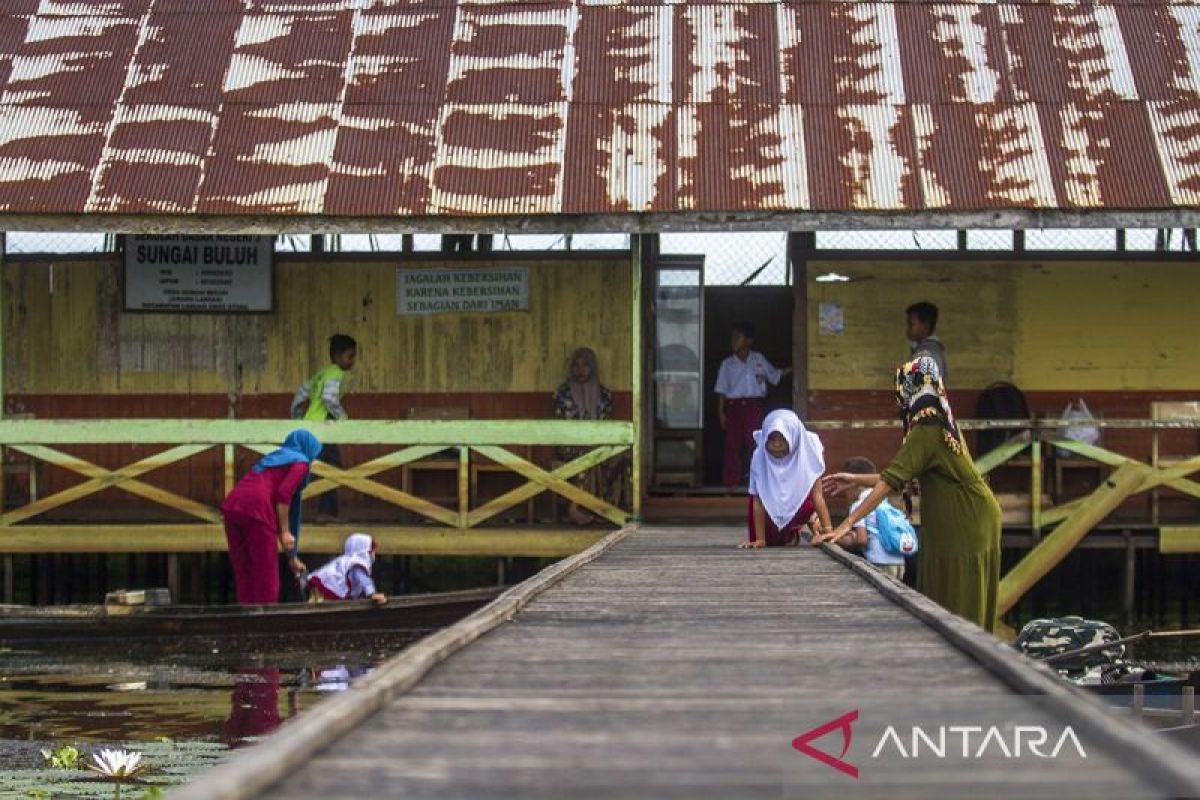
(347, 577)
(785, 489)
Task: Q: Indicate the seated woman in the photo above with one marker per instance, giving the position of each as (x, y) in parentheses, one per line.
(582, 397)
(785, 482)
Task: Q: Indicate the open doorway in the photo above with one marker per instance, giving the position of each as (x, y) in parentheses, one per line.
(692, 327)
(769, 309)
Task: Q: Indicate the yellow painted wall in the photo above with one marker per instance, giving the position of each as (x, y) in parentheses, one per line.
(65, 333)
(1043, 325)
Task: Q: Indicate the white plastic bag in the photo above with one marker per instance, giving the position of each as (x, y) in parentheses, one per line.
(1077, 411)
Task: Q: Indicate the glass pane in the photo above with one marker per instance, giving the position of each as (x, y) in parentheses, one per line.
(678, 378)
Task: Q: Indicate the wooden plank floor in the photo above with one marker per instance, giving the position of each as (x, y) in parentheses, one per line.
(676, 666)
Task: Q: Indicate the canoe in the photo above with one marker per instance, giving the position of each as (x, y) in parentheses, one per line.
(93, 622)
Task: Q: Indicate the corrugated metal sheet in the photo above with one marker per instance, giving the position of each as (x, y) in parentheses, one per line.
(393, 108)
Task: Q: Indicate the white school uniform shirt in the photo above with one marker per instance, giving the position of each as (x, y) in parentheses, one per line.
(874, 552)
(739, 379)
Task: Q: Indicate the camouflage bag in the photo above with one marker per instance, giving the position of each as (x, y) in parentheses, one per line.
(1046, 637)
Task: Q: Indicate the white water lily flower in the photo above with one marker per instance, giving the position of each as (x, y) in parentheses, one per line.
(117, 764)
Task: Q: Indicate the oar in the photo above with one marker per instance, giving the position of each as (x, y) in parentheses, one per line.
(1093, 648)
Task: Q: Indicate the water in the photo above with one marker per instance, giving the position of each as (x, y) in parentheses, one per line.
(184, 711)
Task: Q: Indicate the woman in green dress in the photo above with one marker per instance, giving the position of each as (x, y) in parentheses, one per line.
(960, 518)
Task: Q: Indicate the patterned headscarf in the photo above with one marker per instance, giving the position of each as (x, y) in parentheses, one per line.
(585, 395)
(920, 394)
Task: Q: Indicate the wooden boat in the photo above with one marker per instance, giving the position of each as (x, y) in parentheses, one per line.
(96, 622)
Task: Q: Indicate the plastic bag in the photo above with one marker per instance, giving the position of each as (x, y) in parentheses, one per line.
(1078, 411)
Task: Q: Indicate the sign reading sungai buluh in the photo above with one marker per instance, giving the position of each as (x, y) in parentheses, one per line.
(456, 291)
(198, 273)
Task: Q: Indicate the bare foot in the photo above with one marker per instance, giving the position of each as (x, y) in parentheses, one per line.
(755, 545)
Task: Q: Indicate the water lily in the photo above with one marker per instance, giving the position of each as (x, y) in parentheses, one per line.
(117, 764)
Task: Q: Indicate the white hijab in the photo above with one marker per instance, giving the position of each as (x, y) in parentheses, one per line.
(335, 576)
(783, 484)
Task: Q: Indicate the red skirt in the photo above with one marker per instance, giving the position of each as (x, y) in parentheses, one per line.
(790, 532)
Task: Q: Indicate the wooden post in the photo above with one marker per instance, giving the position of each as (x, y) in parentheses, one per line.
(799, 247)
(230, 464)
(1138, 702)
(464, 485)
(173, 576)
(1130, 577)
(9, 579)
(1035, 488)
(1057, 544)
(643, 248)
(1187, 706)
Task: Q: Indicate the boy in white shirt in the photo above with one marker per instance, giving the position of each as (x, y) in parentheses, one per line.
(865, 536)
(742, 386)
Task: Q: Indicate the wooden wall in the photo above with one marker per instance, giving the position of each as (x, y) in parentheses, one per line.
(66, 333)
(1046, 326)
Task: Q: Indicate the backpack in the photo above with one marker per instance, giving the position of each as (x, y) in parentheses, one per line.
(999, 401)
(896, 533)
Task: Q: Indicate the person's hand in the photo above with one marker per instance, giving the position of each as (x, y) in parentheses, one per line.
(831, 536)
(747, 545)
(814, 525)
(379, 598)
(297, 566)
(837, 483)
(287, 540)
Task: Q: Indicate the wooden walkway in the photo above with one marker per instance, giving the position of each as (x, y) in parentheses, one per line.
(675, 666)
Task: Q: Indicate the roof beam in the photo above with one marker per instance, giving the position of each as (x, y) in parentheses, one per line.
(1005, 219)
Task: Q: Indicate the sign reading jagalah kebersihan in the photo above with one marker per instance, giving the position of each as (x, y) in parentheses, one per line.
(452, 291)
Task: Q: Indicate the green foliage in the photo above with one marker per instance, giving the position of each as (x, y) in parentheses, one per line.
(65, 757)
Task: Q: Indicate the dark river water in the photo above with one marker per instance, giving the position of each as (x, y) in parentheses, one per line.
(182, 710)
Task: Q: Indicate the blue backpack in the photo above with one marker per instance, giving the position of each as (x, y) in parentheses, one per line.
(896, 533)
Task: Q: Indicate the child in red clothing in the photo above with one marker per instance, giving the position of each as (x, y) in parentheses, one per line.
(785, 486)
(262, 513)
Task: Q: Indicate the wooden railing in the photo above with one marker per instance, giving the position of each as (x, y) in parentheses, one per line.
(454, 529)
(1073, 520)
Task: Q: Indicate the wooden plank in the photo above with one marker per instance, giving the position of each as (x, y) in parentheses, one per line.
(366, 469)
(249, 772)
(350, 478)
(1171, 476)
(631, 221)
(994, 458)
(1179, 539)
(549, 480)
(101, 478)
(1057, 544)
(447, 433)
(638, 373)
(673, 657)
(393, 539)
(464, 485)
(1035, 487)
(532, 488)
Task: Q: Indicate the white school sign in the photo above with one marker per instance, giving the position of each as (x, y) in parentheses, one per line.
(198, 273)
(455, 291)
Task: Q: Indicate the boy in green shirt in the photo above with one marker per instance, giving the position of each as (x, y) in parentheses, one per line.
(323, 394)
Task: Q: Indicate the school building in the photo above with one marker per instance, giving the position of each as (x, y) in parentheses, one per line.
(1044, 158)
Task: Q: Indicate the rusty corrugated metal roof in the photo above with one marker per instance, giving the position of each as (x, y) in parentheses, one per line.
(399, 108)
